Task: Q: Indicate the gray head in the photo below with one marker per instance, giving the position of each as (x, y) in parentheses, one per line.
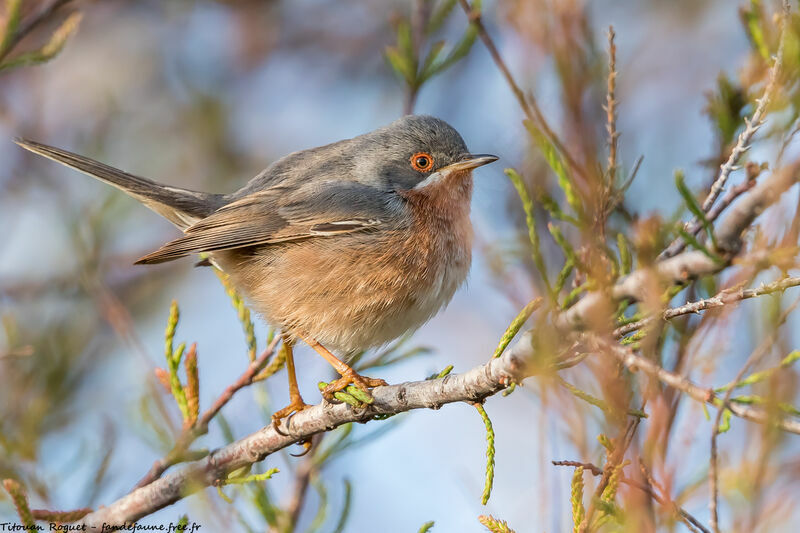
(400, 156)
(411, 151)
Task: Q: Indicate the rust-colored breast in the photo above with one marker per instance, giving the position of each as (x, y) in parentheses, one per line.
(356, 291)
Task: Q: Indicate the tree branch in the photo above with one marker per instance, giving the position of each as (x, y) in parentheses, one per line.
(664, 500)
(722, 298)
(471, 386)
(691, 264)
(180, 452)
(752, 125)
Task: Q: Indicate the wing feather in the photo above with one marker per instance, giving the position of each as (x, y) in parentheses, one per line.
(274, 216)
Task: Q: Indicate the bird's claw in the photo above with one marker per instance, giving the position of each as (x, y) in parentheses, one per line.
(296, 406)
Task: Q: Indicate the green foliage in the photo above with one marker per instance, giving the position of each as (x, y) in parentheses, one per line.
(530, 220)
(10, 24)
(47, 52)
(625, 258)
(439, 375)
(20, 500)
(233, 479)
(173, 357)
(694, 206)
(553, 209)
(490, 451)
(725, 424)
(566, 247)
(563, 276)
(597, 402)
(610, 492)
(786, 408)
(758, 377)
(406, 60)
(576, 498)
(348, 501)
(242, 311)
(494, 525)
(516, 325)
(574, 293)
(322, 508)
(724, 107)
(692, 241)
(753, 22)
(556, 162)
(606, 442)
(427, 526)
(352, 395)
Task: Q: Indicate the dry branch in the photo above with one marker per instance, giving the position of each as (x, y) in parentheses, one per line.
(471, 386)
(691, 264)
(743, 142)
(723, 298)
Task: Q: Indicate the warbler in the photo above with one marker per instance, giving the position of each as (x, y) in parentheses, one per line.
(346, 246)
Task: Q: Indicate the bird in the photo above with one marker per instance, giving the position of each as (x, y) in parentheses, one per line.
(345, 246)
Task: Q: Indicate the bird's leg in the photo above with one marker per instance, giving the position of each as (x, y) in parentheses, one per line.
(296, 401)
(349, 376)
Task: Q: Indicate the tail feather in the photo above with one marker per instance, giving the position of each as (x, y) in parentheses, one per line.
(182, 207)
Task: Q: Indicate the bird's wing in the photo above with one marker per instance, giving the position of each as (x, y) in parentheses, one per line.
(278, 215)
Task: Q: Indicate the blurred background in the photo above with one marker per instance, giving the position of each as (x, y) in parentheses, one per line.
(204, 95)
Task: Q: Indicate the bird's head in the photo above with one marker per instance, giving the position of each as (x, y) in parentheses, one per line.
(418, 153)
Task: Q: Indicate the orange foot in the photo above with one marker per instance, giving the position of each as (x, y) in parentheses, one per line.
(351, 377)
(296, 406)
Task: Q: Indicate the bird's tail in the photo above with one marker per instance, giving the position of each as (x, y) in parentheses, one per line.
(182, 207)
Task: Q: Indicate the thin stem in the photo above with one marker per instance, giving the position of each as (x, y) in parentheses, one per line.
(752, 125)
(611, 106)
(722, 298)
(179, 452)
(713, 471)
(528, 104)
(663, 500)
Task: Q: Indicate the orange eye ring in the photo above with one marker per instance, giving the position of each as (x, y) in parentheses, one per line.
(422, 162)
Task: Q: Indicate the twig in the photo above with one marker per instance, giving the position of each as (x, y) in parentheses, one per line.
(665, 501)
(728, 199)
(178, 453)
(611, 106)
(722, 298)
(758, 354)
(752, 125)
(302, 478)
(419, 19)
(528, 104)
(704, 395)
(691, 264)
(691, 522)
(614, 461)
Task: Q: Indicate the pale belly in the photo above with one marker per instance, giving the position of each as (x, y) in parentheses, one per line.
(352, 301)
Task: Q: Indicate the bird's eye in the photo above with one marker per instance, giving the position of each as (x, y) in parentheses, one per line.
(422, 162)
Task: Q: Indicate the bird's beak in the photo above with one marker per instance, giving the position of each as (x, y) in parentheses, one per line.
(469, 162)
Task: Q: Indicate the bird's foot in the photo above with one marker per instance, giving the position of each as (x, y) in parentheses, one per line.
(359, 382)
(297, 404)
